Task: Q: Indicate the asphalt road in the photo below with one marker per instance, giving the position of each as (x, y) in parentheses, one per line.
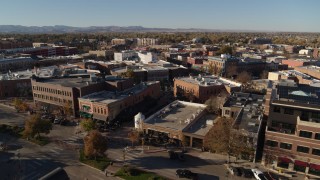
(11, 117)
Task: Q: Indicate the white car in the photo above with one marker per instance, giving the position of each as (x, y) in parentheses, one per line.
(258, 174)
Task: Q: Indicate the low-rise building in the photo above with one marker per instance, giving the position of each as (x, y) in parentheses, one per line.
(313, 71)
(106, 105)
(62, 92)
(247, 111)
(180, 121)
(201, 88)
(126, 55)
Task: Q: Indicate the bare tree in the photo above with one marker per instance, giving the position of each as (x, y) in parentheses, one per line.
(215, 103)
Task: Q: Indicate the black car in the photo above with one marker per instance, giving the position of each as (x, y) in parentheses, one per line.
(238, 171)
(184, 173)
(247, 173)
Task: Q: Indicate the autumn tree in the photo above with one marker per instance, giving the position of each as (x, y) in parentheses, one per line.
(67, 109)
(87, 124)
(95, 144)
(133, 136)
(215, 103)
(244, 77)
(264, 74)
(223, 138)
(35, 125)
(231, 71)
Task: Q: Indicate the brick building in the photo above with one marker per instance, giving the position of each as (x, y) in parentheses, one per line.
(55, 93)
(200, 89)
(106, 105)
(292, 134)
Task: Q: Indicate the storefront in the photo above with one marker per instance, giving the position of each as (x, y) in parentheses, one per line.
(314, 169)
(284, 162)
(300, 166)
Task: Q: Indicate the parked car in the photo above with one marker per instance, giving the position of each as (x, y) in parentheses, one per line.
(184, 173)
(64, 122)
(235, 171)
(247, 173)
(57, 120)
(258, 174)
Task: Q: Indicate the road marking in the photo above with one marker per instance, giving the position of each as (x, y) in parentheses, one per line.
(58, 148)
(29, 175)
(33, 167)
(37, 163)
(54, 151)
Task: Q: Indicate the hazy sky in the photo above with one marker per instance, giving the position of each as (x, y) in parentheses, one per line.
(274, 15)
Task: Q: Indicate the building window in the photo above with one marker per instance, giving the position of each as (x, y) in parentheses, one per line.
(272, 143)
(288, 111)
(277, 109)
(315, 115)
(286, 146)
(304, 116)
(317, 136)
(316, 152)
(227, 112)
(305, 134)
(303, 149)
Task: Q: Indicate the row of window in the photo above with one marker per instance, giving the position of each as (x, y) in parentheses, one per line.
(307, 134)
(46, 97)
(53, 91)
(304, 115)
(288, 146)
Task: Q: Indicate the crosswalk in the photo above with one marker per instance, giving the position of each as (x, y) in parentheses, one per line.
(37, 165)
(117, 155)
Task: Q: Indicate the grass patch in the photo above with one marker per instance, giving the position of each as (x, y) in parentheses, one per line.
(40, 141)
(129, 173)
(100, 163)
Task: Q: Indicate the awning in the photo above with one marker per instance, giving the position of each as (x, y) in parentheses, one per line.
(284, 160)
(301, 163)
(85, 115)
(315, 166)
(100, 117)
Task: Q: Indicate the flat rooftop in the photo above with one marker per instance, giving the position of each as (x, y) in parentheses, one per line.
(108, 97)
(209, 81)
(201, 127)
(69, 82)
(176, 115)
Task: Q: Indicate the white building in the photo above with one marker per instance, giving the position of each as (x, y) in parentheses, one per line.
(147, 57)
(305, 52)
(125, 55)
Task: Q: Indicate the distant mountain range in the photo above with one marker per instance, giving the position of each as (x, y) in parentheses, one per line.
(95, 29)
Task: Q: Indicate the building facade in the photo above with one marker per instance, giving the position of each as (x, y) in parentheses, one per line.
(292, 138)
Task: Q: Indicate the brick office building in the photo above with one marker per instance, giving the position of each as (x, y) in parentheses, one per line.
(292, 138)
(201, 88)
(106, 105)
(55, 93)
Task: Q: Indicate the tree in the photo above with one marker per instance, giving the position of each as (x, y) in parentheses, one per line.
(133, 136)
(225, 50)
(223, 138)
(67, 109)
(17, 103)
(130, 73)
(231, 71)
(94, 144)
(87, 124)
(264, 74)
(244, 77)
(215, 103)
(35, 125)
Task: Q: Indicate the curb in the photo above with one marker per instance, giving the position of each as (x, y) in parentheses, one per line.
(1, 104)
